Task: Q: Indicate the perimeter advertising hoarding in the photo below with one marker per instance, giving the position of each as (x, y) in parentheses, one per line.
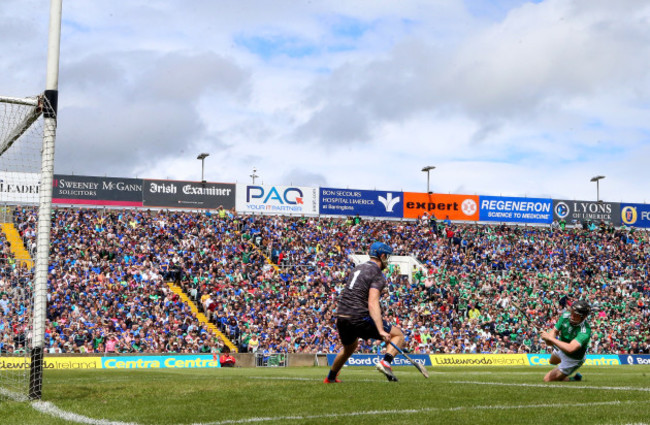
(591, 360)
(186, 194)
(277, 199)
(59, 363)
(374, 359)
(19, 188)
(189, 361)
(516, 210)
(161, 362)
(636, 215)
(456, 207)
(89, 190)
(634, 359)
(579, 211)
(371, 203)
(479, 360)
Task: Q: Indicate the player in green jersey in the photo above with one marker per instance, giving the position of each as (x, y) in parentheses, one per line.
(570, 337)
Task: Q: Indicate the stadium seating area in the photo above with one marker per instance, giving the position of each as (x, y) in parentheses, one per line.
(270, 283)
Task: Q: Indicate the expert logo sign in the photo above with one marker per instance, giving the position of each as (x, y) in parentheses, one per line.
(456, 207)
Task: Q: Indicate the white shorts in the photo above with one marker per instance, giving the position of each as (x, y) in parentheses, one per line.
(567, 365)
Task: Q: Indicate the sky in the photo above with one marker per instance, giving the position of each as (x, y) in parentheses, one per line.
(503, 97)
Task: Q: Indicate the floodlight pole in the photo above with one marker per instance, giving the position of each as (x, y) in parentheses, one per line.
(597, 180)
(254, 176)
(426, 170)
(202, 157)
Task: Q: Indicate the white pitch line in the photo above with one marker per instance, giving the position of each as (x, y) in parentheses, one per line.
(50, 409)
(280, 378)
(409, 411)
(550, 385)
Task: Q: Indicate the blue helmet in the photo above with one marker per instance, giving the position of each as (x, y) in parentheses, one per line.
(379, 248)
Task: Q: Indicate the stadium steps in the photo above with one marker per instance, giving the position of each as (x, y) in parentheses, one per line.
(17, 246)
(201, 317)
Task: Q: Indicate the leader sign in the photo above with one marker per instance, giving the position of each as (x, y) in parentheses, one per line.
(515, 210)
(19, 188)
(277, 199)
(579, 211)
(370, 203)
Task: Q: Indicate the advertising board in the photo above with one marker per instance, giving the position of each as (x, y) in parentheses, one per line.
(370, 203)
(186, 194)
(643, 359)
(19, 188)
(515, 210)
(579, 211)
(90, 190)
(479, 360)
(591, 360)
(456, 207)
(636, 215)
(277, 199)
(374, 359)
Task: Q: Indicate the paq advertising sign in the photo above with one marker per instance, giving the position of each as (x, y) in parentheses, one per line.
(277, 199)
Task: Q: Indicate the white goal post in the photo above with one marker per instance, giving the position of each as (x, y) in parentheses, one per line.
(27, 139)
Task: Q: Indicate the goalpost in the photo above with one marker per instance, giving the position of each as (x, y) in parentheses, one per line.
(27, 136)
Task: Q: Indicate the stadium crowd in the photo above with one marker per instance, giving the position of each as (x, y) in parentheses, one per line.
(270, 283)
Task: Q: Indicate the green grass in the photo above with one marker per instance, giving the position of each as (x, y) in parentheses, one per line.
(298, 396)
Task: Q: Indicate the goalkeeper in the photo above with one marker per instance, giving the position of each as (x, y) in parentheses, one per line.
(359, 313)
(570, 337)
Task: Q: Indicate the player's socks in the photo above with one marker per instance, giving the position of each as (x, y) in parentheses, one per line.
(331, 378)
(388, 358)
(577, 377)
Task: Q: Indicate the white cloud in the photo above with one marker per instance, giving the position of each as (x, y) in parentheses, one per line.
(507, 97)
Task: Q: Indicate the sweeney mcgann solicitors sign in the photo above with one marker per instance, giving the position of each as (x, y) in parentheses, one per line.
(90, 190)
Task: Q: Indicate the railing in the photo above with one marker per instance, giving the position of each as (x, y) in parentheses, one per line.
(271, 359)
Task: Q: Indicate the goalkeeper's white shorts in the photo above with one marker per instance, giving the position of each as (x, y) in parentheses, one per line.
(567, 365)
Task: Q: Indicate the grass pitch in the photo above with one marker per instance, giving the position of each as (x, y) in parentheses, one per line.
(514, 395)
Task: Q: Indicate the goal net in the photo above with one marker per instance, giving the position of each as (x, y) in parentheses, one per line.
(24, 125)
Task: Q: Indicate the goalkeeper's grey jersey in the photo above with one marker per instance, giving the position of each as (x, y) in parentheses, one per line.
(353, 301)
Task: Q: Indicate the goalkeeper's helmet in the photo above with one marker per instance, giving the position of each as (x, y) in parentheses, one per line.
(377, 249)
(581, 308)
